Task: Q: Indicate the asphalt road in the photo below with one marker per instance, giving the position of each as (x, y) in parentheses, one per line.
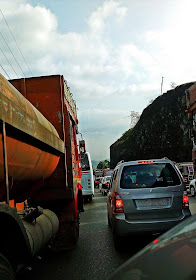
(94, 257)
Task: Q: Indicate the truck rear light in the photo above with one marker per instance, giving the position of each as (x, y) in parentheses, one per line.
(118, 204)
(185, 202)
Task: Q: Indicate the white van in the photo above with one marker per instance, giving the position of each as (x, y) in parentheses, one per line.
(87, 177)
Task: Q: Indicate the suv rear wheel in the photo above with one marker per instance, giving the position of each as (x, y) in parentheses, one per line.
(117, 241)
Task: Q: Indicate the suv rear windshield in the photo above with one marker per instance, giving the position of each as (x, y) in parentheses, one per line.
(149, 176)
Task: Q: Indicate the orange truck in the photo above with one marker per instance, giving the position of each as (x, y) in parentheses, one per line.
(40, 170)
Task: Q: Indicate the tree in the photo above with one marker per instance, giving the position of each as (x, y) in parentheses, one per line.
(127, 133)
(103, 164)
(151, 101)
(135, 116)
(173, 85)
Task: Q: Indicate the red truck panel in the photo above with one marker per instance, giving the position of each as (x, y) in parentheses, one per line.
(47, 95)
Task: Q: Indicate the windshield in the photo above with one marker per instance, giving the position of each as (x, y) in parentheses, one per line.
(149, 176)
(85, 163)
(107, 178)
(109, 173)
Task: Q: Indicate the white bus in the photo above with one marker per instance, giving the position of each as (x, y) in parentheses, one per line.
(87, 177)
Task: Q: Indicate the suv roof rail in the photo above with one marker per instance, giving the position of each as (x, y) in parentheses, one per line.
(120, 162)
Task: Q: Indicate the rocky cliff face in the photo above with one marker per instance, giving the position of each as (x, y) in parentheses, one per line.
(162, 131)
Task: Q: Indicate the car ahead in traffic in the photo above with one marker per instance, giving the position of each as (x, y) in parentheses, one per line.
(100, 183)
(192, 188)
(187, 171)
(146, 197)
(97, 181)
(104, 185)
(171, 256)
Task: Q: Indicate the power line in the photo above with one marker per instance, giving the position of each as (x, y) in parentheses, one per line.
(16, 42)
(9, 63)
(5, 71)
(12, 53)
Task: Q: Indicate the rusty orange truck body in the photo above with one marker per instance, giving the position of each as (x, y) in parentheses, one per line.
(40, 170)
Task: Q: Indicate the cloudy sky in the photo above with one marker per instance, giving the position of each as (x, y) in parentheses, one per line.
(112, 53)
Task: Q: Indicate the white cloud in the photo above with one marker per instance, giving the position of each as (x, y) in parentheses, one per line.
(133, 61)
(109, 8)
(112, 76)
(89, 60)
(11, 6)
(173, 47)
(34, 24)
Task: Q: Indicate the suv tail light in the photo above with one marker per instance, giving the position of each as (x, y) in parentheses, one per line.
(146, 161)
(185, 201)
(118, 204)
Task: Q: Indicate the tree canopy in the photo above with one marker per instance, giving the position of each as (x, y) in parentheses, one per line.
(103, 164)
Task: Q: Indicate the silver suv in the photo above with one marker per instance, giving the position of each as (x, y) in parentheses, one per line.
(146, 196)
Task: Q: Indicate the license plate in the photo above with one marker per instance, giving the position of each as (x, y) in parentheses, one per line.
(152, 202)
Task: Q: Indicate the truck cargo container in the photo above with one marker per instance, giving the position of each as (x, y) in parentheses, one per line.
(40, 169)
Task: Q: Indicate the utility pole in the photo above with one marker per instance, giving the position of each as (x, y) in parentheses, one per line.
(162, 86)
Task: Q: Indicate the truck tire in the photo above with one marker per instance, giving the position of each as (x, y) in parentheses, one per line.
(77, 228)
(73, 230)
(74, 233)
(68, 237)
(192, 191)
(6, 271)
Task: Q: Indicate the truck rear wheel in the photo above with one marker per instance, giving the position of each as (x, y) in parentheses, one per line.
(6, 271)
(74, 233)
(67, 237)
(77, 228)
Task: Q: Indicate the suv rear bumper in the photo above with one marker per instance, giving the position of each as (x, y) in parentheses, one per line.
(123, 227)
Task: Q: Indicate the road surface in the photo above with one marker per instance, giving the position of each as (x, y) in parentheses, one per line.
(94, 257)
